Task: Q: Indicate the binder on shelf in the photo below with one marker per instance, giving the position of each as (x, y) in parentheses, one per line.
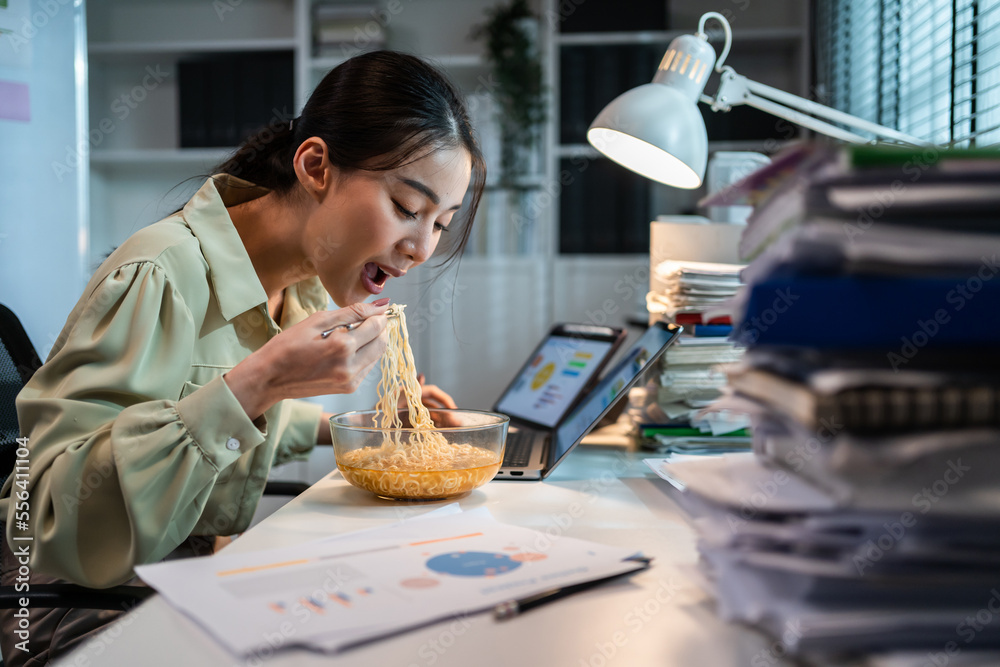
(194, 112)
(224, 98)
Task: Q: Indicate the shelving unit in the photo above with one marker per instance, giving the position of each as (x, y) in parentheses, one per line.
(139, 172)
(770, 44)
(141, 152)
(515, 272)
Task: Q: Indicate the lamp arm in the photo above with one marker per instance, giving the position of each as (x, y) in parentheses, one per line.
(725, 28)
(735, 89)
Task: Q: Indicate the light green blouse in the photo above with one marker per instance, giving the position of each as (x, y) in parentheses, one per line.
(135, 440)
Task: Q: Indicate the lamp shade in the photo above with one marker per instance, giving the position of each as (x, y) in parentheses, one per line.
(656, 131)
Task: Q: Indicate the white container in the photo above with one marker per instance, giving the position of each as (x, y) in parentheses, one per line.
(726, 168)
(691, 238)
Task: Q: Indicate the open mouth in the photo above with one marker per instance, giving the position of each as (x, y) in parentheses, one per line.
(374, 277)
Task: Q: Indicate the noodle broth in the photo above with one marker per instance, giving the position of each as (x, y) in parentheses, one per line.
(420, 464)
(419, 484)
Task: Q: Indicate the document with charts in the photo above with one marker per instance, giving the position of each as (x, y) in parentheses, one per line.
(337, 592)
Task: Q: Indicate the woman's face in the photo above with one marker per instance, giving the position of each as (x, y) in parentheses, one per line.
(377, 225)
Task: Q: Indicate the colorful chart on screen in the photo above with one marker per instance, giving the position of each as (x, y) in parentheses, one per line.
(547, 386)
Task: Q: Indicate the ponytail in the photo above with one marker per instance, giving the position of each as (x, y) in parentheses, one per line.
(265, 158)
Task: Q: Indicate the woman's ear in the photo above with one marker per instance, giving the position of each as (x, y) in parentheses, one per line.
(313, 168)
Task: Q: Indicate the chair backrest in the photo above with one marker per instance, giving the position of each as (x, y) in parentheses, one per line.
(18, 362)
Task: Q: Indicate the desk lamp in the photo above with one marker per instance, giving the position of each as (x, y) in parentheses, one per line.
(657, 131)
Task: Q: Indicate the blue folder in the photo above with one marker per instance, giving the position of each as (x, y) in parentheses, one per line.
(897, 314)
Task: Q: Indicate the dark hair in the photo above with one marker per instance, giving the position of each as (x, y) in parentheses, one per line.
(376, 111)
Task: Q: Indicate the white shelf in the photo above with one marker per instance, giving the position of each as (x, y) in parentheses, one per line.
(152, 156)
(524, 183)
(577, 150)
(457, 60)
(771, 145)
(632, 37)
(114, 49)
(448, 61)
(588, 151)
(745, 35)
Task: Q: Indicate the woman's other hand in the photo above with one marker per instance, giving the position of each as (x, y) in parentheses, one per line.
(433, 396)
(299, 362)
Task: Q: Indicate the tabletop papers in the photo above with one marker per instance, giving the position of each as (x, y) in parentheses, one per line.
(334, 593)
(846, 574)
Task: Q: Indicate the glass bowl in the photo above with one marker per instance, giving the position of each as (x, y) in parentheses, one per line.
(461, 453)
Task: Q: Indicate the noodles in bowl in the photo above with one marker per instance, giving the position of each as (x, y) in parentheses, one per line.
(416, 453)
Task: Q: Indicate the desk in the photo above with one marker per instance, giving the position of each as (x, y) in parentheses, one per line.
(656, 617)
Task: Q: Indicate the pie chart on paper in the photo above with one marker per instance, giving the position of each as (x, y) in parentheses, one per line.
(472, 563)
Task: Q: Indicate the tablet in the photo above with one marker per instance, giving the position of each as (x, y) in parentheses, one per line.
(561, 369)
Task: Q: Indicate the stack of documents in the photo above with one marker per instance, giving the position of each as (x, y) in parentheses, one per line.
(827, 576)
(692, 287)
(343, 591)
(867, 517)
(691, 378)
(694, 294)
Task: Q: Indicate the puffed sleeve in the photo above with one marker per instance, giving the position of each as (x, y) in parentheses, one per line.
(299, 436)
(120, 470)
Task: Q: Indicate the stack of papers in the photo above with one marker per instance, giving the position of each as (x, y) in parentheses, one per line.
(343, 591)
(696, 295)
(673, 418)
(692, 287)
(867, 516)
(846, 576)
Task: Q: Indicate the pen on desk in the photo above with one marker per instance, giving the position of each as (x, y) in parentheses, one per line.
(512, 608)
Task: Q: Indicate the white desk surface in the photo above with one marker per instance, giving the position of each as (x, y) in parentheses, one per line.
(656, 617)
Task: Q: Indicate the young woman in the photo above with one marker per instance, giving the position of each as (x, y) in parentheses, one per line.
(162, 407)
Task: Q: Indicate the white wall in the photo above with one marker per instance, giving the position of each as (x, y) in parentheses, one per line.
(42, 220)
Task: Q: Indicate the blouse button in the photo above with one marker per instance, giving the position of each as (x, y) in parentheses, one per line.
(232, 444)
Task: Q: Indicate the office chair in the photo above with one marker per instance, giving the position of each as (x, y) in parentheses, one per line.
(18, 362)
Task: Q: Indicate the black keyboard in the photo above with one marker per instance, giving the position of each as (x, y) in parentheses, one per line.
(517, 451)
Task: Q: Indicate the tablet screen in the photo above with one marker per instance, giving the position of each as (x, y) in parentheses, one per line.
(553, 378)
(619, 379)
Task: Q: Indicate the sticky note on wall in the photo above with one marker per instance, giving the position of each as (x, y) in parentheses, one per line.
(14, 101)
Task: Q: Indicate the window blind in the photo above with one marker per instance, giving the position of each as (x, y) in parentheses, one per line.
(930, 68)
